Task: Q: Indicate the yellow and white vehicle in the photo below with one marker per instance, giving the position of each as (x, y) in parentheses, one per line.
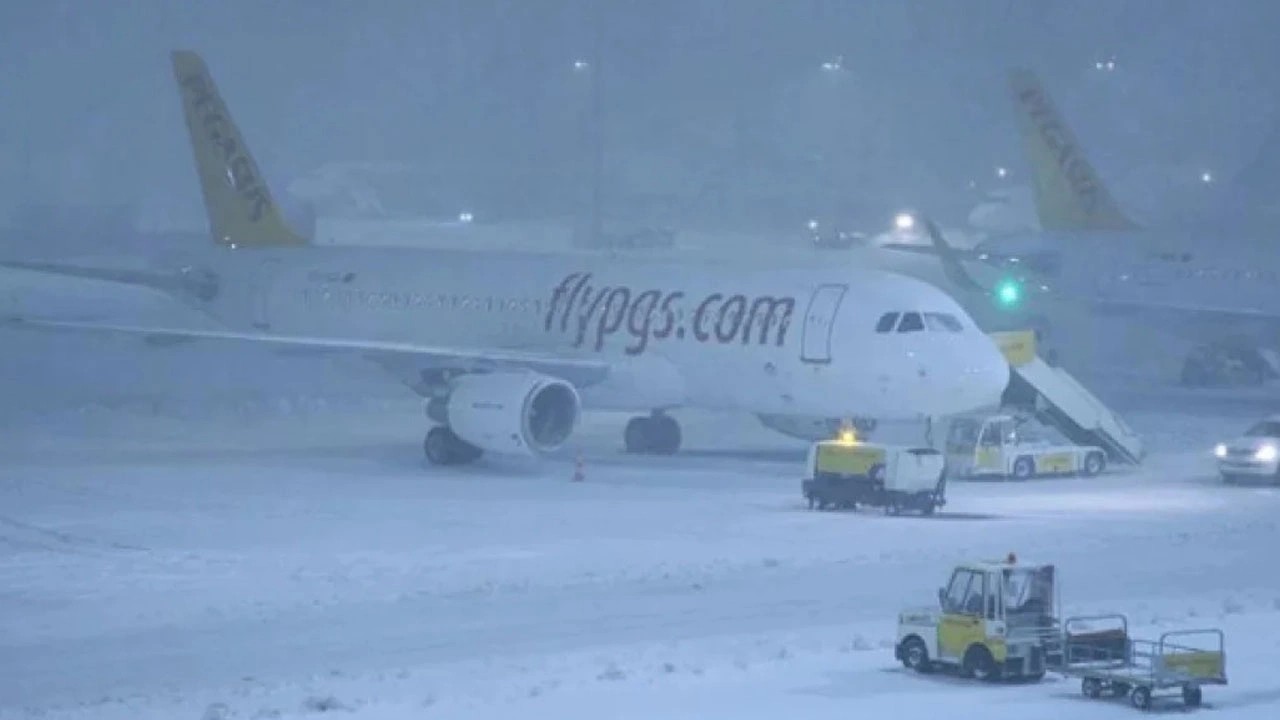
(999, 620)
(844, 472)
(1009, 446)
(994, 620)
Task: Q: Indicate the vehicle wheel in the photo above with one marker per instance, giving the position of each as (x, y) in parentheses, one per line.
(979, 665)
(1191, 695)
(1094, 463)
(438, 446)
(1024, 468)
(1091, 687)
(809, 498)
(1140, 698)
(915, 656)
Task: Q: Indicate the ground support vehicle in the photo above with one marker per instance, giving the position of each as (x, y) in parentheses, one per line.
(845, 473)
(1010, 446)
(998, 620)
(1110, 662)
(994, 620)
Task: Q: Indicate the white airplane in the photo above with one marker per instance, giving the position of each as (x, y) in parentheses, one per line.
(509, 348)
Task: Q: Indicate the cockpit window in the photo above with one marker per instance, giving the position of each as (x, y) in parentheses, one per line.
(938, 322)
(911, 322)
(886, 322)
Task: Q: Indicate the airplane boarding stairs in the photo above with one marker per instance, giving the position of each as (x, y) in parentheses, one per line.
(1057, 399)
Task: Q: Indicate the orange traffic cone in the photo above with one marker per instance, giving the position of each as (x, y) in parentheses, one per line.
(579, 474)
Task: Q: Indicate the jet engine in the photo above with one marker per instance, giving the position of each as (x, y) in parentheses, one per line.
(510, 412)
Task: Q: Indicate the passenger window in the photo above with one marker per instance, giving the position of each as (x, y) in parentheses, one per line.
(938, 322)
(911, 322)
(886, 323)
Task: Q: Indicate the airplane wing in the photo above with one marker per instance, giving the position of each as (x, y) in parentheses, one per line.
(581, 372)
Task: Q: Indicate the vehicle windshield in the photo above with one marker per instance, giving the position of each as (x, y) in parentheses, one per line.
(1266, 428)
(1028, 595)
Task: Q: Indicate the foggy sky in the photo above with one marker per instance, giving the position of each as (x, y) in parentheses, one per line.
(484, 93)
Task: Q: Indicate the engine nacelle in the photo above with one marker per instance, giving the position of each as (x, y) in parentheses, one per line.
(512, 413)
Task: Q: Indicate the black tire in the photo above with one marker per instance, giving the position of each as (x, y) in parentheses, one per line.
(915, 656)
(1024, 468)
(638, 435)
(666, 436)
(1094, 464)
(927, 506)
(1091, 687)
(979, 665)
(1140, 698)
(438, 446)
(1191, 696)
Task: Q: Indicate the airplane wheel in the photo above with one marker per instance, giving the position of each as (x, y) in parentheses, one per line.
(443, 447)
(438, 446)
(638, 435)
(657, 434)
(666, 434)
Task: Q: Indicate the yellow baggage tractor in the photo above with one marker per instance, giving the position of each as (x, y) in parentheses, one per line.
(999, 620)
(846, 473)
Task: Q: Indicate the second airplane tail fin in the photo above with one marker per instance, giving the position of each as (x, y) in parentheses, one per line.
(242, 212)
(1069, 194)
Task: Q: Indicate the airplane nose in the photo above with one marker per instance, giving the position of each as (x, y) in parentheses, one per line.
(982, 380)
(989, 377)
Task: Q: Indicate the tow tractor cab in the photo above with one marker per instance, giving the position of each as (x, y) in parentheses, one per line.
(994, 620)
(1256, 454)
(1015, 446)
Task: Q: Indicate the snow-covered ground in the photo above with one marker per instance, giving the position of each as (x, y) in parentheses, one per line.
(209, 531)
(269, 543)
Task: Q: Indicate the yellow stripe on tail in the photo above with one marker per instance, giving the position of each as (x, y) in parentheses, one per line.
(1069, 194)
(241, 210)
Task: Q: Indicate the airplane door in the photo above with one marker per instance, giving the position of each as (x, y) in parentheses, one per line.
(819, 319)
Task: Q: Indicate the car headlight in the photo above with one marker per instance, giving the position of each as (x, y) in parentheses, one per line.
(1220, 450)
(1265, 453)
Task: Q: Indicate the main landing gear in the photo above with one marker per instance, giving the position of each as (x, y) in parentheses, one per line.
(657, 434)
(443, 447)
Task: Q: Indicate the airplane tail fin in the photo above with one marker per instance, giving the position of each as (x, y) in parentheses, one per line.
(1069, 194)
(242, 212)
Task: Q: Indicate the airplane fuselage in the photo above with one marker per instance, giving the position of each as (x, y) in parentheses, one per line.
(787, 341)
